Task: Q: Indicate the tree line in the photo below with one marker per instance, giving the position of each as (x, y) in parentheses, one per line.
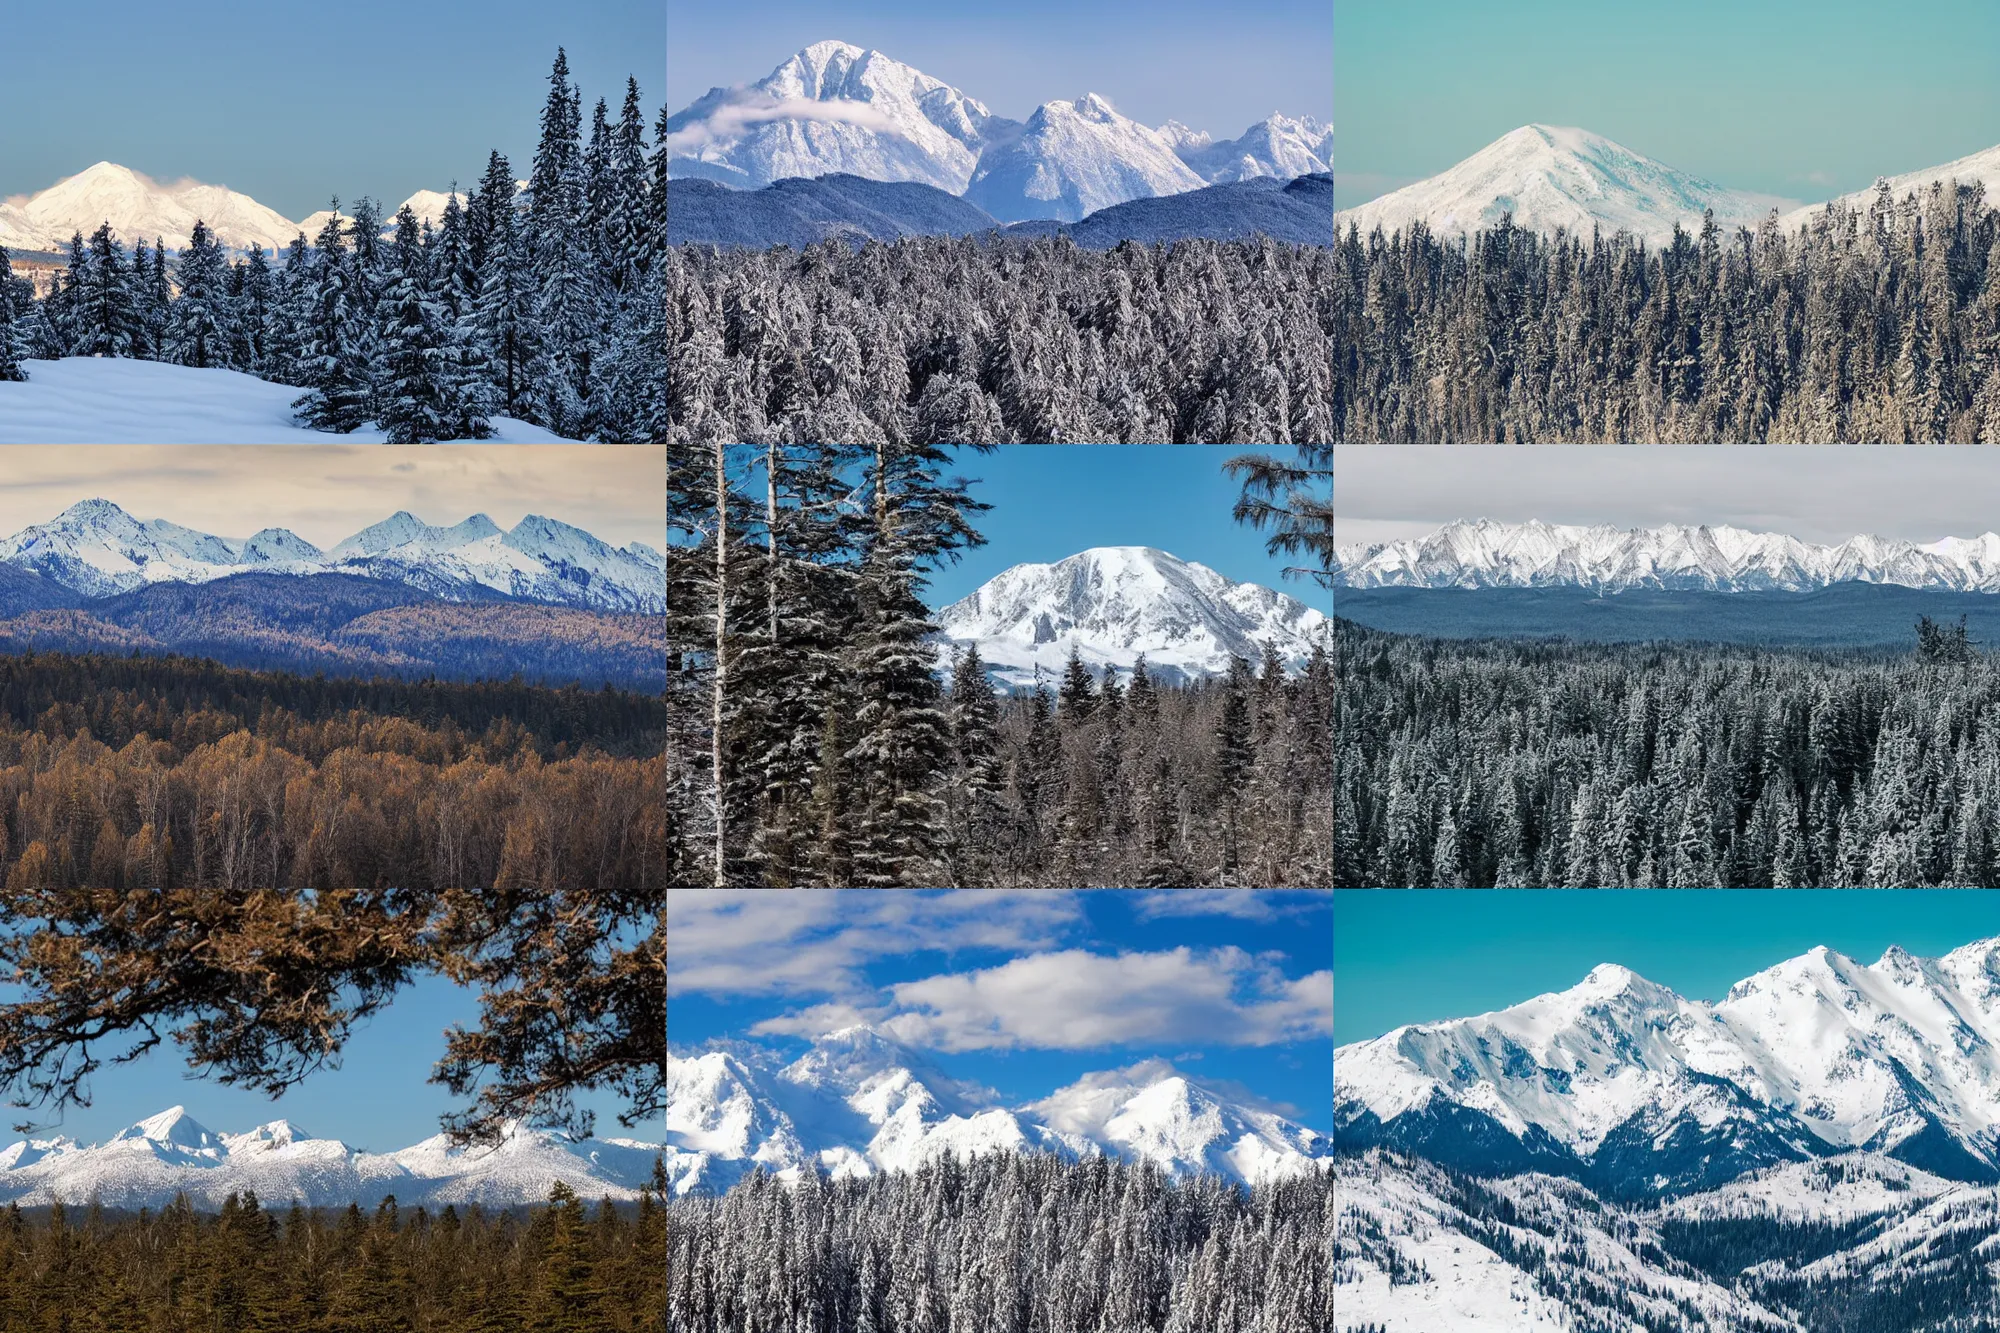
(251, 864)
(550, 313)
(962, 340)
(1004, 1243)
(1878, 324)
(815, 741)
(1557, 764)
(246, 1268)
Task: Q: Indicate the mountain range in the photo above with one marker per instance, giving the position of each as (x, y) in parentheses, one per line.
(95, 549)
(145, 1165)
(141, 208)
(1551, 177)
(835, 108)
(800, 212)
(1482, 553)
(858, 1102)
(1113, 603)
(1641, 1094)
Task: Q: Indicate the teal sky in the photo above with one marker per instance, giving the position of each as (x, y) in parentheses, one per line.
(1415, 956)
(1802, 98)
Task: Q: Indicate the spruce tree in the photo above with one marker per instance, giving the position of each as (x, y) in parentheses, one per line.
(13, 346)
(333, 372)
(197, 332)
(106, 313)
(504, 313)
(418, 370)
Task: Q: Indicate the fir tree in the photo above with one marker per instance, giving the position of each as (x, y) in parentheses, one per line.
(418, 365)
(197, 332)
(332, 367)
(13, 346)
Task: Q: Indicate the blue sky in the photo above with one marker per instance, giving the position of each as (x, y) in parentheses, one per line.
(1415, 956)
(1801, 98)
(377, 1100)
(1024, 992)
(1215, 69)
(292, 103)
(1053, 500)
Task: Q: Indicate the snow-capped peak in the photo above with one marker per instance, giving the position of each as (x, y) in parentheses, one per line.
(1073, 158)
(173, 1127)
(139, 208)
(1113, 603)
(1550, 177)
(1980, 168)
(1486, 554)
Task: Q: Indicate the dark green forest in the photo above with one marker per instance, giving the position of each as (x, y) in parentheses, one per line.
(563, 1267)
(1555, 764)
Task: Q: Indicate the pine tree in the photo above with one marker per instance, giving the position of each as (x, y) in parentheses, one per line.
(107, 315)
(504, 313)
(197, 332)
(418, 371)
(333, 370)
(561, 273)
(13, 345)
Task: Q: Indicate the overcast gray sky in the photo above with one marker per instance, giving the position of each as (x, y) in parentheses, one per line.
(327, 492)
(1818, 493)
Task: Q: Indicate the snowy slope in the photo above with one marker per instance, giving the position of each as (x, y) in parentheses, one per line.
(1981, 168)
(1640, 1092)
(104, 400)
(1549, 177)
(834, 107)
(138, 208)
(1074, 158)
(859, 1102)
(97, 549)
(1115, 602)
(1482, 553)
(1417, 1251)
(146, 1164)
(1278, 145)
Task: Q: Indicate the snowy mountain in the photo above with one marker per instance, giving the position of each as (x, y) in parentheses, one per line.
(839, 109)
(138, 207)
(1482, 553)
(1418, 1250)
(146, 1164)
(98, 550)
(1114, 603)
(1641, 1093)
(1549, 177)
(834, 107)
(1073, 158)
(1278, 145)
(859, 1102)
(1981, 168)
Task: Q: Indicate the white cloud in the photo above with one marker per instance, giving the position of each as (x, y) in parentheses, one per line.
(1246, 904)
(747, 109)
(1074, 999)
(815, 941)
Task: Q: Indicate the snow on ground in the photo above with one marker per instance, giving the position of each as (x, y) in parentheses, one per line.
(91, 400)
(1831, 1190)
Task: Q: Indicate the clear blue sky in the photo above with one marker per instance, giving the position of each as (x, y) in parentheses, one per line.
(1218, 69)
(1801, 98)
(378, 1100)
(291, 103)
(1053, 500)
(735, 960)
(1416, 956)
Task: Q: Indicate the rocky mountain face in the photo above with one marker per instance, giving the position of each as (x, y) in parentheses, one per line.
(1113, 603)
(839, 108)
(1486, 554)
(96, 549)
(145, 1165)
(858, 1102)
(1640, 1093)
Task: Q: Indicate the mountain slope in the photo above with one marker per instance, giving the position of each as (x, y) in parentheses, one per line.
(1549, 177)
(834, 108)
(1279, 145)
(1115, 602)
(138, 208)
(1640, 1092)
(145, 1165)
(1982, 168)
(799, 212)
(858, 1102)
(96, 549)
(1073, 158)
(1482, 553)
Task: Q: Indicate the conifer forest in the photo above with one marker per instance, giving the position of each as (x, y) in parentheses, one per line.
(820, 738)
(1004, 1243)
(546, 307)
(939, 340)
(565, 1267)
(1558, 764)
(1874, 325)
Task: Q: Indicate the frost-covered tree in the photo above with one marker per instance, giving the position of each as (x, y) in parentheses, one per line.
(419, 373)
(197, 332)
(333, 370)
(106, 312)
(13, 343)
